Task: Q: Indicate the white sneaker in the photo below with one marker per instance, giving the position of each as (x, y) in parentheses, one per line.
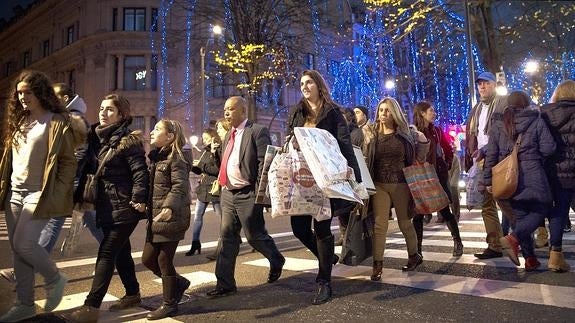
(19, 312)
(9, 275)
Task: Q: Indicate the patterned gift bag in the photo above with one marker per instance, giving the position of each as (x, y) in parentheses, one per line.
(425, 188)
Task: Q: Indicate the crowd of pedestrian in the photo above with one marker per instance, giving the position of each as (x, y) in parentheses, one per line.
(52, 158)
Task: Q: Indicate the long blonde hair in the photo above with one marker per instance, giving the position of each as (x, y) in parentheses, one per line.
(177, 145)
(396, 112)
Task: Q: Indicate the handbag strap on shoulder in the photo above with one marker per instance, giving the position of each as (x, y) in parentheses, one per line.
(106, 157)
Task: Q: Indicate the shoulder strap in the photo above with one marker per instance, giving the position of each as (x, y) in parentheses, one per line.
(99, 170)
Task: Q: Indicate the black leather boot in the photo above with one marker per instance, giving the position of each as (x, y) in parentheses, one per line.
(412, 262)
(170, 305)
(182, 285)
(323, 293)
(418, 226)
(196, 246)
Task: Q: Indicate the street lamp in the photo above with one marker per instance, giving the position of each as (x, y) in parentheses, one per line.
(216, 30)
(531, 67)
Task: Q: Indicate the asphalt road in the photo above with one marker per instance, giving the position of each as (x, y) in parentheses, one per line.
(442, 289)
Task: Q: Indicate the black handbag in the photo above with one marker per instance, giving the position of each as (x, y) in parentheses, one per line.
(91, 185)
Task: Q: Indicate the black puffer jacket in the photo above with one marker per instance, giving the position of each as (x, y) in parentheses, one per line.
(124, 177)
(560, 117)
(208, 167)
(170, 189)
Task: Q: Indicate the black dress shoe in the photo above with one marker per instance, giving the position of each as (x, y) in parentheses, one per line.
(276, 272)
(488, 254)
(323, 293)
(220, 292)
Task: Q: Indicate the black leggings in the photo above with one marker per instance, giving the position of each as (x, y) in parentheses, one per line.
(159, 257)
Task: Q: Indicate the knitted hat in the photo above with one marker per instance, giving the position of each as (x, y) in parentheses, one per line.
(363, 109)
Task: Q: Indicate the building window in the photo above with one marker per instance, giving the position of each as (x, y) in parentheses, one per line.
(27, 58)
(134, 73)
(310, 61)
(154, 20)
(46, 48)
(139, 123)
(72, 79)
(70, 34)
(114, 19)
(135, 19)
(8, 68)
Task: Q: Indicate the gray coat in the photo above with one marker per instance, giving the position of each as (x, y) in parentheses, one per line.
(536, 145)
(170, 186)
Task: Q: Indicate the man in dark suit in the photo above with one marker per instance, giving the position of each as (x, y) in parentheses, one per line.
(244, 149)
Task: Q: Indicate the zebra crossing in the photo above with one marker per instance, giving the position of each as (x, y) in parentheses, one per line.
(437, 246)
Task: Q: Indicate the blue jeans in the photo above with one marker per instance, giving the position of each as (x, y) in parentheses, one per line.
(527, 219)
(199, 217)
(50, 233)
(29, 257)
(559, 215)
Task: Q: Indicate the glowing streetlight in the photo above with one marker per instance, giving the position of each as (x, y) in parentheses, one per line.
(390, 84)
(216, 30)
(531, 67)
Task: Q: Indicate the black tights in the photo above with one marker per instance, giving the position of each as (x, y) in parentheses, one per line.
(159, 257)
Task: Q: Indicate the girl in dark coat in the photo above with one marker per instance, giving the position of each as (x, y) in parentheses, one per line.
(560, 117)
(317, 110)
(532, 199)
(168, 212)
(208, 167)
(122, 186)
(440, 155)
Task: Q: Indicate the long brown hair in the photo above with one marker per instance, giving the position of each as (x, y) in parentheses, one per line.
(418, 109)
(323, 89)
(516, 101)
(15, 114)
(177, 145)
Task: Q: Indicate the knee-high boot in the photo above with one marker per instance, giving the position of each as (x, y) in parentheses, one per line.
(170, 304)
(325, 248)
(418, 226)
(454, 229)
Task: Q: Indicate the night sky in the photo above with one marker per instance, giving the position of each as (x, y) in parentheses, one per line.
(7, 5)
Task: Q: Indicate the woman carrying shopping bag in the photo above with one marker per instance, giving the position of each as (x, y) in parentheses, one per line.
(317, 109)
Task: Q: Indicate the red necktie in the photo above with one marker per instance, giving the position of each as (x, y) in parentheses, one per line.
(223, 176)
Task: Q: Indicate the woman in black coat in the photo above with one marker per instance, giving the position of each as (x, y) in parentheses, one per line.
(532, 199)
(317, 110)
(560, 117)
(168, 212)
(122, 186)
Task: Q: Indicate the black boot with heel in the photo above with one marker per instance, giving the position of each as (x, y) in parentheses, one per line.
(196, 246)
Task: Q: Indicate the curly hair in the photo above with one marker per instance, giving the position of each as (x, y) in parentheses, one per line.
(15, 114)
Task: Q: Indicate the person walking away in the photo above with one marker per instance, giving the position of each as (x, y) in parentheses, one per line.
(559, 115)
(532, 199)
